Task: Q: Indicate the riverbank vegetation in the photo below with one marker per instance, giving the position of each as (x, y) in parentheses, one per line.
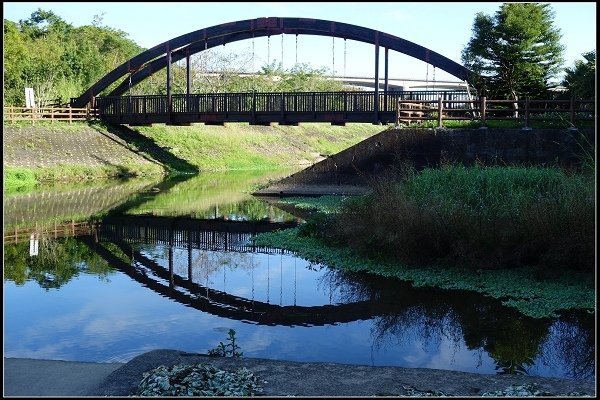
(525, 235)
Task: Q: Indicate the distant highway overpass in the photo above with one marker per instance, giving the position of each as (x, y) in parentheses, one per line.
(368, 83)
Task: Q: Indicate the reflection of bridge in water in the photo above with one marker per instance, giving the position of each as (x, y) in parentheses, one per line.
(190, 233)
(211, 235)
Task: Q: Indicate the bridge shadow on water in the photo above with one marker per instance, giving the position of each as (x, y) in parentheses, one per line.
(155, 153)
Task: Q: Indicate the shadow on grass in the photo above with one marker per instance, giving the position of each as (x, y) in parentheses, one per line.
(148, 149)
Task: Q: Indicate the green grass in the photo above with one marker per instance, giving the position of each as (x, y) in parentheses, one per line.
(322, 204)
(235, 146)
(537, 123)
(57, 126)
(238, 146)
(481, 217)
(19, 179)
(495, 192)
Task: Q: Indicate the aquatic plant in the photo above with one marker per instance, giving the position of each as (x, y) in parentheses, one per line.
(324, 204)
(520, 288)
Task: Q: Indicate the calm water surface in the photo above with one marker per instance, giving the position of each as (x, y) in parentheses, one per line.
(171, 267)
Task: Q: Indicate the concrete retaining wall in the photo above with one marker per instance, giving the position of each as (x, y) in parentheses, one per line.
(430, 147)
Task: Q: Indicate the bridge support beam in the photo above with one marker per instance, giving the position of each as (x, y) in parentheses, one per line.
(169, 77)
(188, 81)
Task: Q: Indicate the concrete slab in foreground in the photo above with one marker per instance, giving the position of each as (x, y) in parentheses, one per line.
(328, 379)
(28, 377)
(291, 189)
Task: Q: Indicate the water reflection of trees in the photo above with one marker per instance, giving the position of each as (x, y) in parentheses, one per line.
(58, 261)
(512, 340)
(205, 263)
(574, 342)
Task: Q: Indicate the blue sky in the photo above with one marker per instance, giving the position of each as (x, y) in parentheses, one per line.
(441, 27)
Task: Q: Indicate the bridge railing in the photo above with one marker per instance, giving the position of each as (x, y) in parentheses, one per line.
(256, 102)
(483, 109)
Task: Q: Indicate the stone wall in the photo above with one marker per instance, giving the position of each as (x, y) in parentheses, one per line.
(429, 147)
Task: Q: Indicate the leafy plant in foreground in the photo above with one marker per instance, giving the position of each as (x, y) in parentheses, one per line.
(198, 380)
(227, 350)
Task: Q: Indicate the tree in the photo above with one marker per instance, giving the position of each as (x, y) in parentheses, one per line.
(581, 79)
(516, 52)
(16, 58)
(58, 60)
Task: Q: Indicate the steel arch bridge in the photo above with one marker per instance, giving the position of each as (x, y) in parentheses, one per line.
(163, 55)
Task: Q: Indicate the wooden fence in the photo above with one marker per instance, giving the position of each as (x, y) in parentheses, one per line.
(49, 114)
(524, 110)
(18, 234)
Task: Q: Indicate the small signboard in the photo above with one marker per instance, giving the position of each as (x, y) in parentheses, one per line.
(29, 98)
(34, 245)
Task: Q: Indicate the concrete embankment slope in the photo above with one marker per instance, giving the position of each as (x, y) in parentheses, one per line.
(74, 145)
(349, 171)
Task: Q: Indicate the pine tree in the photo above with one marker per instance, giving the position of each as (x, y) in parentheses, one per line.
(516, 52)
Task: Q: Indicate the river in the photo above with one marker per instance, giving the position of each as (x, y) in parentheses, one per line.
(105, 271)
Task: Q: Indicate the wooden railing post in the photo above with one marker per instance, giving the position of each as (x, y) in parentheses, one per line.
(440, 111)
(483, 105)
(70, 115)
(526, 112)
(254, 106)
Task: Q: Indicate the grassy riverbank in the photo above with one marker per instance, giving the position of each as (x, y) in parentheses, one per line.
(524, 235)
(46, 152)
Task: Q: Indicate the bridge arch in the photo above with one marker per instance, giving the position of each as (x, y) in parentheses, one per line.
(160, 56)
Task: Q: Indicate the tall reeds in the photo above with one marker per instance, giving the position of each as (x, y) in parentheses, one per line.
(481, 217)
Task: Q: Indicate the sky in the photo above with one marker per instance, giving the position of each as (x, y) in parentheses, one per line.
(443, 27)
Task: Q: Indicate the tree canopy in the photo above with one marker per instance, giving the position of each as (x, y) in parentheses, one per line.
(516, 52)
(58, 60)
(581, 79)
